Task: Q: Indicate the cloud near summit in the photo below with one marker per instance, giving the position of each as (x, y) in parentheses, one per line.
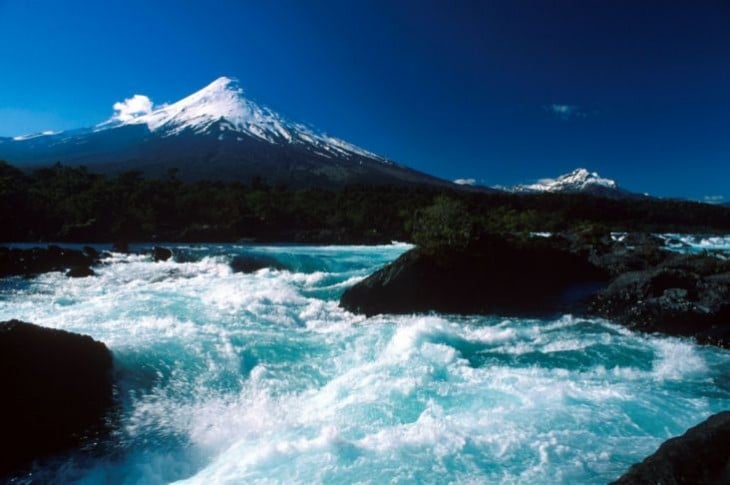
(131, 108)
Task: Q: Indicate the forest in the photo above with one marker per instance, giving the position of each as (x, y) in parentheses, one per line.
(62, 203)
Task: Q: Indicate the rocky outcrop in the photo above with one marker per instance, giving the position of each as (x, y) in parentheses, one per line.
(28, 262)
(56, 392)
(492, 275)
(700, 456)
(684, 295)
(633, 252)
(634, 281)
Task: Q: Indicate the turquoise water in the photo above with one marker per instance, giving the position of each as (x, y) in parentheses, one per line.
(234, 378)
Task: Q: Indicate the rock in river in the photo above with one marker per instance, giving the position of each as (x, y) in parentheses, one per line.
(701, 455)
(493, 275)
(56, 392)
(27, 262)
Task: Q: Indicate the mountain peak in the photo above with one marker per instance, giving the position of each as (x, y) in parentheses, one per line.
(579, 180)
(221, 110)
(216, 123)
(223, 82)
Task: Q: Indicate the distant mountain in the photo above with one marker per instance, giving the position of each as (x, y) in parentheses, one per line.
(579, 180)
(215, 133)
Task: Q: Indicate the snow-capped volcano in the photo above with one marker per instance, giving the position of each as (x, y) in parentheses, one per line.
(221, 109)
(214, 133)
(579, 180)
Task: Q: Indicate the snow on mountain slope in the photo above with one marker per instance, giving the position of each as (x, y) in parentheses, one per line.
(213, 134)
(579, 180)
(34, 135)
(221, 109)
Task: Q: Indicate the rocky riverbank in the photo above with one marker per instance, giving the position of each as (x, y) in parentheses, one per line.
(75, 263)
(33, 261)
(634, 281)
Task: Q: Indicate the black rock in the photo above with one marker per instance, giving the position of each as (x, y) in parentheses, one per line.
(494, 275)
(80, 272)
(120, 247)
(685, 295)
(56, 392)
(90, 252)
(27, 262)
(161, 254)
(636, 251)
(642, 239)
(701, 455)
(251, 263)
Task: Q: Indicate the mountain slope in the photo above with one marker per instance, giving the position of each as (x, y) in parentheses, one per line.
(215, 133)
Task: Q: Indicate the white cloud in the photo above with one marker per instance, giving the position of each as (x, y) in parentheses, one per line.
(465, 181)
(714, 199)
(565, 111)
(131, 108)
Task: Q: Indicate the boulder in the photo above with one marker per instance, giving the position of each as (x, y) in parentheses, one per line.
(698, 456)
(493, 275)
(28, 262)
(80, 272)
(161, 254)
(56, 392)
(249, 263)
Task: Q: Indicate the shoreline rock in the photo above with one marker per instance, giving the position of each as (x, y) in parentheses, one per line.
(57, 392)
(698, 456)
(33, 261)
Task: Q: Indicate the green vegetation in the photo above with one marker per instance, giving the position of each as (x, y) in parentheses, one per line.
(71, 204)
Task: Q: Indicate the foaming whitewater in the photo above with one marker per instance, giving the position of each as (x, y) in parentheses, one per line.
(236, 378)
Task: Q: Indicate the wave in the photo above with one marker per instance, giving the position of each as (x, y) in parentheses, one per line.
(229, 377)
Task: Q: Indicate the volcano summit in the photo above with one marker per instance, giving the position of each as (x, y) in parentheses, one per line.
(215, 134)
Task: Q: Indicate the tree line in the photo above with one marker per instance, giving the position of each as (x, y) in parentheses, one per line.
(62, 203)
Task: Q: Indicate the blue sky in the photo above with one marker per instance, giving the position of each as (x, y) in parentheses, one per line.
(500, 91)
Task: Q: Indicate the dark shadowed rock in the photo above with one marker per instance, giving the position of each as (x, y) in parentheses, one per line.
(90, 252)
(80, 272)
(250, 263)
(684, 295)
(493, 275)
(651, 289)
(121, 247)
(161, 254)
(635, 251)
(27, 262)
(700, 456)
(56, 392)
